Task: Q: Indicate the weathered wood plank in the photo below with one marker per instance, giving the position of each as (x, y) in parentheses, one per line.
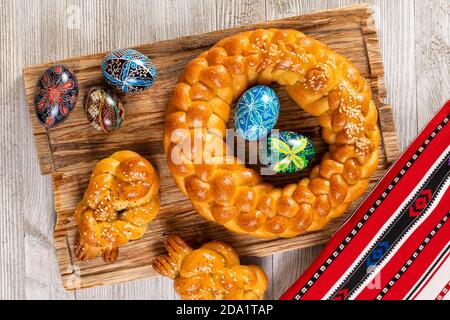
(397, 45)
(432, 53)
(12, 264)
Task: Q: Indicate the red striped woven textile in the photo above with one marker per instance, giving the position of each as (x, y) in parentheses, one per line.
(397, 243)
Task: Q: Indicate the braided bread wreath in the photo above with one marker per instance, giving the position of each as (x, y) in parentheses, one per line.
(321, 82)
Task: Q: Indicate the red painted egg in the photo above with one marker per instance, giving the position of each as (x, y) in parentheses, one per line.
(56, 96)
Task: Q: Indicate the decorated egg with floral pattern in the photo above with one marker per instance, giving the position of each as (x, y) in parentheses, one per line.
(128, 70)
(257, 112)
(287, 152)
(56, 95)
(104, 110)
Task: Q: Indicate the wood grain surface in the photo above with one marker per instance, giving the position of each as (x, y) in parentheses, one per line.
(414, 39)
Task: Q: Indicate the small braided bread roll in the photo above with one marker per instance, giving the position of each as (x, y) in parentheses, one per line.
(120, 201)
(322, 82)
(212, 272)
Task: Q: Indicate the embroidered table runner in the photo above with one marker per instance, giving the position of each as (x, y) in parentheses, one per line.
(397, 243)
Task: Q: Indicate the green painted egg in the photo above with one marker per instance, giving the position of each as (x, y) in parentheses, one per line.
(287, 152)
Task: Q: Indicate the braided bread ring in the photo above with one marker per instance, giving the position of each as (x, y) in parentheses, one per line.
(121, 200)
(322, 82)
(211, 272)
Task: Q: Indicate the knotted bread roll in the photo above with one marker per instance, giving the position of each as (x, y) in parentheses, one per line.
(120, 201)
(211, 272)
(322, 82)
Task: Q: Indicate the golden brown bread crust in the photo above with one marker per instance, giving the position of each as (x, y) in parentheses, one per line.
(120, 201)
(322, 82)
(211, 272)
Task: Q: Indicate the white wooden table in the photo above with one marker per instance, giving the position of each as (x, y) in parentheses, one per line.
(415, 41)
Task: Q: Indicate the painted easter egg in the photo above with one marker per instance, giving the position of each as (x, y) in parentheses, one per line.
(128, 70)
(288, 152)
(56, 95)
(257, 112)
(104, 110)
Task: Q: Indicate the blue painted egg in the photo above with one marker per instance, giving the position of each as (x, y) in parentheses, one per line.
(56, 95)
(288, 152)
(257, 112)
(128, 70)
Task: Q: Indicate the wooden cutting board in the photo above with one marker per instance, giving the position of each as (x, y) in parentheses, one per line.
(69, 151)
